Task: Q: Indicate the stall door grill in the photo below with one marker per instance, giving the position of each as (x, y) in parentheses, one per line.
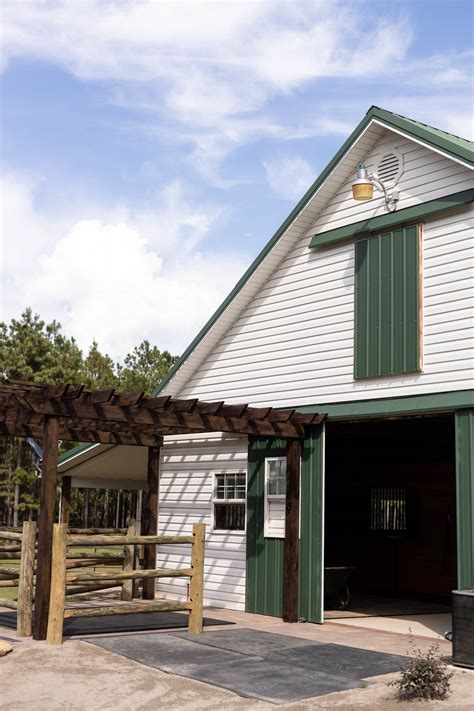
(388, 510)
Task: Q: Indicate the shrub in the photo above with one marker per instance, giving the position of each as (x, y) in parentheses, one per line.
(427, 675)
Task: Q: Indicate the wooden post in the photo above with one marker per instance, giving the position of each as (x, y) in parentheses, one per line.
(45, 528)
(196, 587)
(58, 585)
(129, 562)
(24, 620)
(291, 545)
(65, 506)
(151, 518)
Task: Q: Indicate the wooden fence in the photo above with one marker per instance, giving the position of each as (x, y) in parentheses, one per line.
(62, 581)
(19, 544)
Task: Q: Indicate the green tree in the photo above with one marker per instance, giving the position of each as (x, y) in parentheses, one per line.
(144, 368)
(99, 370)
(31, 349)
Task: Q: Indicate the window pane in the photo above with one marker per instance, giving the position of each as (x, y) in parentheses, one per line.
(229, 517)
(276, 477)
(220, 486)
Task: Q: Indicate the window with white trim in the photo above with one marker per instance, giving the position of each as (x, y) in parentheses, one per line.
(228, 503)
(275, 497)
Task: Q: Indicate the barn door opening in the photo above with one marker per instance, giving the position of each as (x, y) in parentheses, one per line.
(390, 533)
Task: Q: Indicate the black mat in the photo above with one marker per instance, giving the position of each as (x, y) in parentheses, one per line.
(78, 626)
(263, 665)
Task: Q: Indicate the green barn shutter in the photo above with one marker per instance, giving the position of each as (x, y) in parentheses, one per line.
(387, 302)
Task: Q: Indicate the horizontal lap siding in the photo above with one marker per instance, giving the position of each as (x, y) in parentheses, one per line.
(185, 498)
(294, 343)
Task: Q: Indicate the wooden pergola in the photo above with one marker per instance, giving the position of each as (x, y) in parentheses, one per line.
(69, 412)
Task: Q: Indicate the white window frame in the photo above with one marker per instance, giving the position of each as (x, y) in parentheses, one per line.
(267, 533)
(215, 500)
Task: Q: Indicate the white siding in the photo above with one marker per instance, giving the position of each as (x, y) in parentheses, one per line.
(293, 344)
(186, 498)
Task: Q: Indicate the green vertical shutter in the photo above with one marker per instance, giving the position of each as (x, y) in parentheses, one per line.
(387, 303)
(465, 497)
(312, 527)
(264, 586)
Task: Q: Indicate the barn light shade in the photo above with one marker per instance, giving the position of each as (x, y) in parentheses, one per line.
(364, 184)
(362, 187)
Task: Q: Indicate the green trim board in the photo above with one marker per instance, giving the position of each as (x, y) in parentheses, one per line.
(455, 146)
(264, 578)
(465, 497)
(400, 218)
(74, 451)
(452, 145)
(390, 407)
(387, 304)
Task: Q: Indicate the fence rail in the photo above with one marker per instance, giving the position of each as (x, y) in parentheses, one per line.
(22, 579)
(62, 580)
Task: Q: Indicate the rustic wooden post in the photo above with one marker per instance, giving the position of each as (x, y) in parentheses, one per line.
(45, 528)
(151, 518)
(24, 620)
(291, 545)
(58, 585)
(65, 505)
(196, 587)
(129, 562)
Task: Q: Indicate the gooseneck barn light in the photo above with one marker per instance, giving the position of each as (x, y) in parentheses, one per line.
(363, 188)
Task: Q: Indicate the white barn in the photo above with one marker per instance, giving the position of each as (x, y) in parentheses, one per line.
(363, 310)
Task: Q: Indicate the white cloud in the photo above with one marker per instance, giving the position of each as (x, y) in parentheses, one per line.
(212, 67)
(212, 70)
(289, 176)
(120, 281)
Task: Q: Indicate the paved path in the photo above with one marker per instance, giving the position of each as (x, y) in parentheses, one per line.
(257, 664)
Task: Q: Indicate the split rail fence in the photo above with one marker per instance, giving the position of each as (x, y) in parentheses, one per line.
(19, 544)
(64, 581)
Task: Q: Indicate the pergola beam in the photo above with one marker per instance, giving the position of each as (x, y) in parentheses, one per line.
(146, 420)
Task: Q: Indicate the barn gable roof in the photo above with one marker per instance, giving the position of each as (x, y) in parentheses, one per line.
(361, 140)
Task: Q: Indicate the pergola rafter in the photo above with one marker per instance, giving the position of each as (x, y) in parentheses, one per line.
(77, 413)
(104, 415)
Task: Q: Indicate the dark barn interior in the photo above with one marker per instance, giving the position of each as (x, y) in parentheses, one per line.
(391, 506)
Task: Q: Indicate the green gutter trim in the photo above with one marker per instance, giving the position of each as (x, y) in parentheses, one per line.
(440, 139)
(389, 407)
(425, 133)
(401, 218)
(78, 449)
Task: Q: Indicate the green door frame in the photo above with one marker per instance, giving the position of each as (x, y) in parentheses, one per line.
(464, 420)
(264, 579)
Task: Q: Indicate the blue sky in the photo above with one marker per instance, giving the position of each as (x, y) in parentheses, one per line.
(151, 149)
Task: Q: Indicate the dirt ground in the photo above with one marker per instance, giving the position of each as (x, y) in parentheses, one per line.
(81, 677)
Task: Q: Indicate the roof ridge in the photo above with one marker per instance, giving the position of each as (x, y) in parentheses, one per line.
(421, 123)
